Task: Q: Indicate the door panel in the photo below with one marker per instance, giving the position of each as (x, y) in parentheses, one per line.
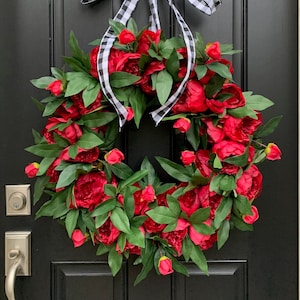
(254, 265)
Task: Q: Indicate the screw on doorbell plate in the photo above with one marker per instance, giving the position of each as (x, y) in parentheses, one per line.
(18, 200)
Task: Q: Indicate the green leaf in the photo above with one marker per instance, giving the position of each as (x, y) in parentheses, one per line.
(42, 82)
(137, 101)
(222, 211)
(121, 170)
(100, 220)
(135, 177)
(102, 249)
(45, 150)
(227, 183)
(120, 220)
(88, 220)
(147, 260)
(162, 215)
(114, 261)
(164, 83)
(136, 237)
(239, 160)
(223, 233)
(116, 26)
(122, 79)
(44, 165)
(104, 207)
(214, 85)
(175, 170)
(199, 259)
(172, 64)
(178, 267)
(240, 224)
(132, 26)
(243, 205)
(257, 102)
(39, 187)
(201, 71)
(98, 119)
(71, 221)
(200, 46)
(173, 205)
(217, 163)
(187, 247)
(110, 190)
(89, 140)
(268, 128)
(242, 112)
(129, 200)
(200, 215)
(77, 82)
(227, 49)
(67, 176)
(220, 69)
(204, 229)
(90, 94)
(52, 106)
(151, 176)
(193, 135)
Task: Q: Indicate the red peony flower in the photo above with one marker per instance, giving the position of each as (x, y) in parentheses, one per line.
(237, 99)
(147, 37)
(107, 234)
(93, 61)
(202, 163)
(250, 183)
(250, 219)
(225, 149)
(202, 240)
(89, 189)
(83, 155)
(189, 202)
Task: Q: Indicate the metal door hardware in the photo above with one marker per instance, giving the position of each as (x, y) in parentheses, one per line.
(18, 200)
(17, 259)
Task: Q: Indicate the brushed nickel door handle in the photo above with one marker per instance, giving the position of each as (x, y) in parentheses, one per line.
(10, 279)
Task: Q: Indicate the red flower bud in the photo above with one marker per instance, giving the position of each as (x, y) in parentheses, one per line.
(165, 265)
(115, 156)
(182, 124)
(213, 50)
(78, 238)
(126, 37)
(32, 169)
(187, 157)
(250, 219)
(55, 87)
(272, 152)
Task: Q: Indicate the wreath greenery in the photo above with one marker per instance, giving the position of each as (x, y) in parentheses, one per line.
(124, 212)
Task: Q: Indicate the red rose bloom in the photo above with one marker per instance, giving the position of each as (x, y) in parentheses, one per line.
(151, 226)
(66, 111)
(107, 234)
(148, 193)
(89, 189)
(165, 265)
(78, 238)
(78, 102)
(192, 100)
(250, 183)
(215, 132)
(126, 37)
(114, 156)
(55, 87)
(146, 81)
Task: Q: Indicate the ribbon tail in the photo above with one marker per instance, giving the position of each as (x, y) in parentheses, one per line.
(154, 17)
(159, 113)
(206, 6)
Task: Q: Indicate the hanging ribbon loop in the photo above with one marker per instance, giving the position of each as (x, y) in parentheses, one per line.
(122, 16)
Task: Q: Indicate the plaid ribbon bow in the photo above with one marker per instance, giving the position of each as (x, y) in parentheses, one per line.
(122, 16)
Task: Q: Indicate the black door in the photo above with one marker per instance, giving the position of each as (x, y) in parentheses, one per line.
(254, 265)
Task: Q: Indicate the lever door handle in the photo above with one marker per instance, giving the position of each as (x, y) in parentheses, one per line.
(10, 279)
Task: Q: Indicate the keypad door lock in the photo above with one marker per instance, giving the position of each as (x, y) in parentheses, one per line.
(18, 200)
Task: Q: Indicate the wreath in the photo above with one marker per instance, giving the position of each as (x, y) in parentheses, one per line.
(124, 212)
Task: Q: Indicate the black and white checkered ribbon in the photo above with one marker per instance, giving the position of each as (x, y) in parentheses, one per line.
(122, 16)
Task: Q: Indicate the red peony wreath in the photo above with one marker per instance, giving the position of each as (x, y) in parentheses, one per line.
(124, 212)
